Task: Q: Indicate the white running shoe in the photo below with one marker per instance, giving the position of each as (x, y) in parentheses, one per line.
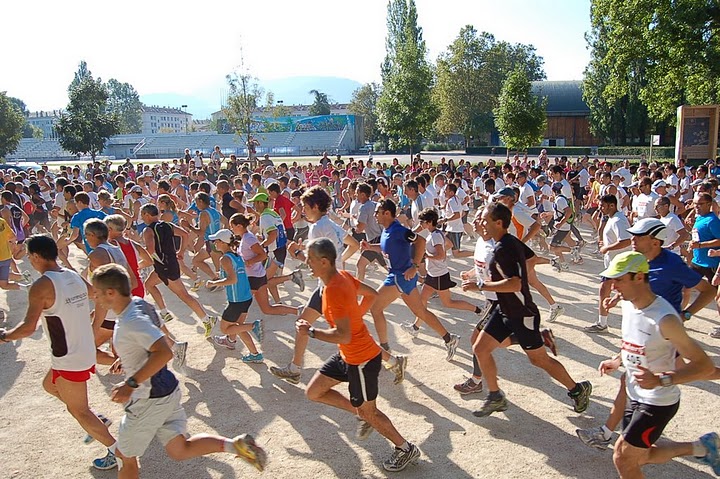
(556, 311)
(408, 328)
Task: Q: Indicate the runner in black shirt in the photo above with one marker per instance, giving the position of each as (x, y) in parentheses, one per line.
(516, 315)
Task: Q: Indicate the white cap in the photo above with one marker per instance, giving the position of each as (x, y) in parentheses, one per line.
(224, 235)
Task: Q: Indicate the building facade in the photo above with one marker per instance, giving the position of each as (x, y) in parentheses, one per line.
(157, 119)
(45, 121)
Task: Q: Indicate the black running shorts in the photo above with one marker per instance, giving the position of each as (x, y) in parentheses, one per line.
(526, 330)
(643, 424)
(362, 379)
(233, 311)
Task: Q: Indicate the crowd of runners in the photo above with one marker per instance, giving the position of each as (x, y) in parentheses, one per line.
(249, 228)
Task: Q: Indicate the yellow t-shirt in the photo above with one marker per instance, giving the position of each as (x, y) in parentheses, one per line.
(6, 234)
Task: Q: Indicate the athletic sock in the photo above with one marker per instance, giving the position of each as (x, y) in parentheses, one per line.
(447, 338)
(477, 372)
(602, 320)
(385, 346)
(415, 327)
(163, 311)
(405, 446)
(698, 449)
(494, 395)
(478, 310)
(294, 368)
(392, 361)
(229, 446)
(607, 433)
(112, 447)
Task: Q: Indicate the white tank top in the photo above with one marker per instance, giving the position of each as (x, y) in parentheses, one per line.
(643, 345)
(117, 257)
(67, 323)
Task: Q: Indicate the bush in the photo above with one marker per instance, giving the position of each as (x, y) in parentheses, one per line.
(657, 151)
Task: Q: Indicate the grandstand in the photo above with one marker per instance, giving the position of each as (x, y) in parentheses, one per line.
(277, 143)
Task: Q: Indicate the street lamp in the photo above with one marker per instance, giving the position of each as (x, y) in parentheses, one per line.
(184, 108)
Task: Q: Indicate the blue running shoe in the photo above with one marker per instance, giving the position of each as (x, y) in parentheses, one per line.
(105, 463)
(711, 441)
(258, 332)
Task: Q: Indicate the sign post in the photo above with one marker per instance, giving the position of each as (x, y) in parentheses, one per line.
(654, 141)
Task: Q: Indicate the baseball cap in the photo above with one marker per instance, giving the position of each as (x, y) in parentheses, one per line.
(224, 235)
(627, 262)
(136, 189)
(176, 176)
(509, 192)
(542, 178)
(649, 226)
(658, 184)
(557, 186)
(260, 197)
(148, 173)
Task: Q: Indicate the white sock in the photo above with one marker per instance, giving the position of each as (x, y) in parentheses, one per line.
(392, 361)
(555, 306)
(607, 433)
(229, 446)
(294, 368)
(405, 446)
(698, 449)
(602, 320)
(163, 311)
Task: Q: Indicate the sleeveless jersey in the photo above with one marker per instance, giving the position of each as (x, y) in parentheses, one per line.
(240, 291)
(16, 224)
(164, 244)
(215, 222)
(128, 250)
(67, 323)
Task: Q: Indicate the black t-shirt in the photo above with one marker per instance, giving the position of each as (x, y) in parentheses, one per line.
(227, 210)
(509, 261)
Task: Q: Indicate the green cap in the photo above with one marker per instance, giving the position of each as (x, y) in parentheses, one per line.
(624, 263)
(260, 197)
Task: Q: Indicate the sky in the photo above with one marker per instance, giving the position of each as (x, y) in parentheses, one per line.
(188, 48)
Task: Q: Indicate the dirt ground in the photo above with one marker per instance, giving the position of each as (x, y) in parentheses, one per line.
(534, 438)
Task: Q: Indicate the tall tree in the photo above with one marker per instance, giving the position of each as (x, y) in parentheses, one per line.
(29, 131)
(364, 104)
(86, 124)
(669, 50)
(124, 101)
(405, 110)
(520, 116)
(82, 73)
(470, 75)
(12, 122)
(321, 103)
(243, 99)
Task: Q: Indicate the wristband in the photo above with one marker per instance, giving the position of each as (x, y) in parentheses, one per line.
(3, 334)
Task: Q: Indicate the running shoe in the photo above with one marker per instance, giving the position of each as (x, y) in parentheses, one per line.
(549, 340)
(564, 267)
(400, 459)
(2, 316)
(492, 405)
(469, 387)
(297, 278)
(715, 333)
(105, 463)
(196, 285)
(364, 429)
(408, 328)
(574, 253)
(399, 369)
(89, 439)
(556, 310)
(27, 277)
(209, 325)
(484, 312)
(711, 441)
(167, 316)
(581, 397)
(596, 328)
(593, 437)
(257, 331)
(179, 350)
(250, 452)
(451, 346)
(253, 358)
(286, 373)
(224, 341)
(581, 244)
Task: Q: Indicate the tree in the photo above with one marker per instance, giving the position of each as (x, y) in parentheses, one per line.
(81, 74)
(12, 122)
(243, 99)
(277, 109)
(321, 104)
(669, 51)
(520, 116)
(86, 124)
(124, 102)
(470, 75)
(405, 110)
(364, 104)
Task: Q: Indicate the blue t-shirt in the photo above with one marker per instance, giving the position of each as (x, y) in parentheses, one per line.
(395, 242)
(708, 228)
(669, 274)
(78, 221)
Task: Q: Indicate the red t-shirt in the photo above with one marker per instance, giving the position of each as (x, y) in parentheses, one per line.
(339, 300)
(284, 203)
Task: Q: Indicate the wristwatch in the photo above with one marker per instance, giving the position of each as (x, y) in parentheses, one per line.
(131, 382)
(3, 334)
(686, 315)
(311, 332)
(666, 380)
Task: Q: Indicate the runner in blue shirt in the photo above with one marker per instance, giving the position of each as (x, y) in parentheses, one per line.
(396, 243)
(82, 200)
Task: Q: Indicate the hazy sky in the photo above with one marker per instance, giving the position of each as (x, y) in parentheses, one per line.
(185, 47)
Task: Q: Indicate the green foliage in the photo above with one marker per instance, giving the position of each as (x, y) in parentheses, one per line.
(405, 110)
(124, 102)
(658, 152)
(12, 122)
(520, 116)
(663, 53)
(364, 104)
(321, 104)
(82, 73)
(243, 99)
(470, 75)
(86, 125)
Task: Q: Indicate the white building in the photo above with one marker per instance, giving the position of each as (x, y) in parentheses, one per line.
(45, 121)
(157, 119)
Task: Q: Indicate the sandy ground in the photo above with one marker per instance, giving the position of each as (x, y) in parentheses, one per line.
(534, 438)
